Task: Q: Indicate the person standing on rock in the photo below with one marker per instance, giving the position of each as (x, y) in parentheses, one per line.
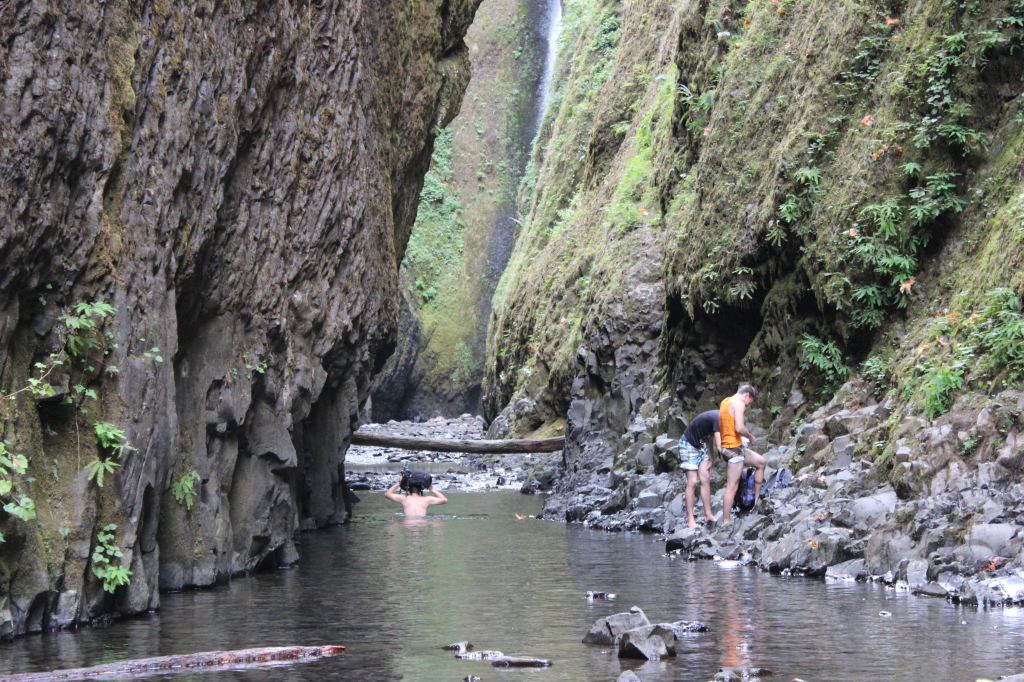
(695, 451)
(415, 503)
(738, 455)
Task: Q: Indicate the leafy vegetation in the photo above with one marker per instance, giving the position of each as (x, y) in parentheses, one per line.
(184, 490)
(826, 358)
(104, 567)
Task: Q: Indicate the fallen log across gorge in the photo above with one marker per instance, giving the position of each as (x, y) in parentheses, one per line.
(482, 447)
(142, 667)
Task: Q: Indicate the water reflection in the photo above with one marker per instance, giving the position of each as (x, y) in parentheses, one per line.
(394, 590)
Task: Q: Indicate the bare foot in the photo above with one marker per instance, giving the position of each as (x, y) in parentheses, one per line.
(691, 524)
(710, 519)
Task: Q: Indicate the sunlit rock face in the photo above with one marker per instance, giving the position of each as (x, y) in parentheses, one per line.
(239, 181)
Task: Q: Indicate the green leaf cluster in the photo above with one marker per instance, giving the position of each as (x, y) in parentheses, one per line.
(103, 567)
(184, 490)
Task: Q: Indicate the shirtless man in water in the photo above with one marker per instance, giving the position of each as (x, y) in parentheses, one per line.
(414, 504)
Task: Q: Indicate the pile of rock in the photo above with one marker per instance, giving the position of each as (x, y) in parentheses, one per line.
(493, 478)
(632, 635)
(934, 507)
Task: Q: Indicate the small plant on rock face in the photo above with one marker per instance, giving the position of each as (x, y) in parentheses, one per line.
(184, 490)
(11, 466)
(113, 576)
(825, 358)
(998, 329)
(940, 384)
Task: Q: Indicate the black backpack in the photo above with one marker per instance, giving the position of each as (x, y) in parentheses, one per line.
(417, 478)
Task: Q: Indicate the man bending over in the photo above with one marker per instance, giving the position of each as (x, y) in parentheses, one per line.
(415, 503)
(695, 450)
(733, 430)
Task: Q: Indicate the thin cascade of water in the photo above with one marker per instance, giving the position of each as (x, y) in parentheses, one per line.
(552, 27)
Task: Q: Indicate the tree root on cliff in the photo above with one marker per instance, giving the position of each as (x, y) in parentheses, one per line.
(162, 665)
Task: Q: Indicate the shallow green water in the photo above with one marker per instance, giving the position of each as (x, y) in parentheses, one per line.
(394, 591)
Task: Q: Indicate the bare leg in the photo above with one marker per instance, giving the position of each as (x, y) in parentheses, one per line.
(732, 483)
(704, 473)
(752, 459)
(691, 483)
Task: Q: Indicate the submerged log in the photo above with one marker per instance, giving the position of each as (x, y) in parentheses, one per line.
(182, 663)
(482, 447)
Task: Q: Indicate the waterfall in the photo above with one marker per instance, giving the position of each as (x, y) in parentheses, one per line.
(551, 26)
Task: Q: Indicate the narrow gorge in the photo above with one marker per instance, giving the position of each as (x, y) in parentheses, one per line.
(234, 233)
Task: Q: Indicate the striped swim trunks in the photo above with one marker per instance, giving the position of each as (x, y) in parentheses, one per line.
(689, 456)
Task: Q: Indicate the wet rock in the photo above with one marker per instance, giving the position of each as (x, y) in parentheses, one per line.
(605, 630)
(931, 590)
(741, 674)
(461, 647)
(682, 627)
(650, 642)
(848, 570)
(601, 595)
(470, 678)
(628, 676)
(917, 574)
(520, 662)
(480, 655)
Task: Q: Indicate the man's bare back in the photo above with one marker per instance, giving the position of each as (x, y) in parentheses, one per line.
(415, 504)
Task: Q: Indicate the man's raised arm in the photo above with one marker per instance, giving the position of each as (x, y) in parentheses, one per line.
(392, 495)
(438, 499)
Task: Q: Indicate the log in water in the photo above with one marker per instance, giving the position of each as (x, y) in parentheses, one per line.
(181, 663)
(483, 447)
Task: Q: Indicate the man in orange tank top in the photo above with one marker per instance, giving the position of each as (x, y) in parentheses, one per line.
(733, 431)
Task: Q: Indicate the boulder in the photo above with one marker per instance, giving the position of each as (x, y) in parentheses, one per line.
(848, 570)
(931, 590)
(990, 535)
(917, 574)
(651, 642)
(605, 630)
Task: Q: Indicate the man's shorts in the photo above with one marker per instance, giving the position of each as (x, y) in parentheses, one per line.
(734, 455)
(689, 456)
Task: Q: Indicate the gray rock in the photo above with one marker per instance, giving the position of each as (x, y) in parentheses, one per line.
(741, 674)
(931, 590)
(651, 642)
(992, 536)
(628, 676)
(520, 662)
(917, 574)
(605, 630)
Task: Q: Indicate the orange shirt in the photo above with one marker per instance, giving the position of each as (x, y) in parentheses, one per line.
(727, 425)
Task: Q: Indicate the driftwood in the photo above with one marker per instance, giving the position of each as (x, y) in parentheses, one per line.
(162, 665)
(483, 447)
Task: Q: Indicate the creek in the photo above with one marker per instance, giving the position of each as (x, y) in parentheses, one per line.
(394, 591)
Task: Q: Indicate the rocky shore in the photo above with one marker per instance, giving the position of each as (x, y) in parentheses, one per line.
(880, 494)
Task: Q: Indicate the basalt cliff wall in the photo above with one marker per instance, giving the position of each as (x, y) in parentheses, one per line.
(812, 196)
(238, 181)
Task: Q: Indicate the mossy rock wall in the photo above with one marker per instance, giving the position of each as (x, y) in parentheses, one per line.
(238, 182)
(466, 220)
(771, 192)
